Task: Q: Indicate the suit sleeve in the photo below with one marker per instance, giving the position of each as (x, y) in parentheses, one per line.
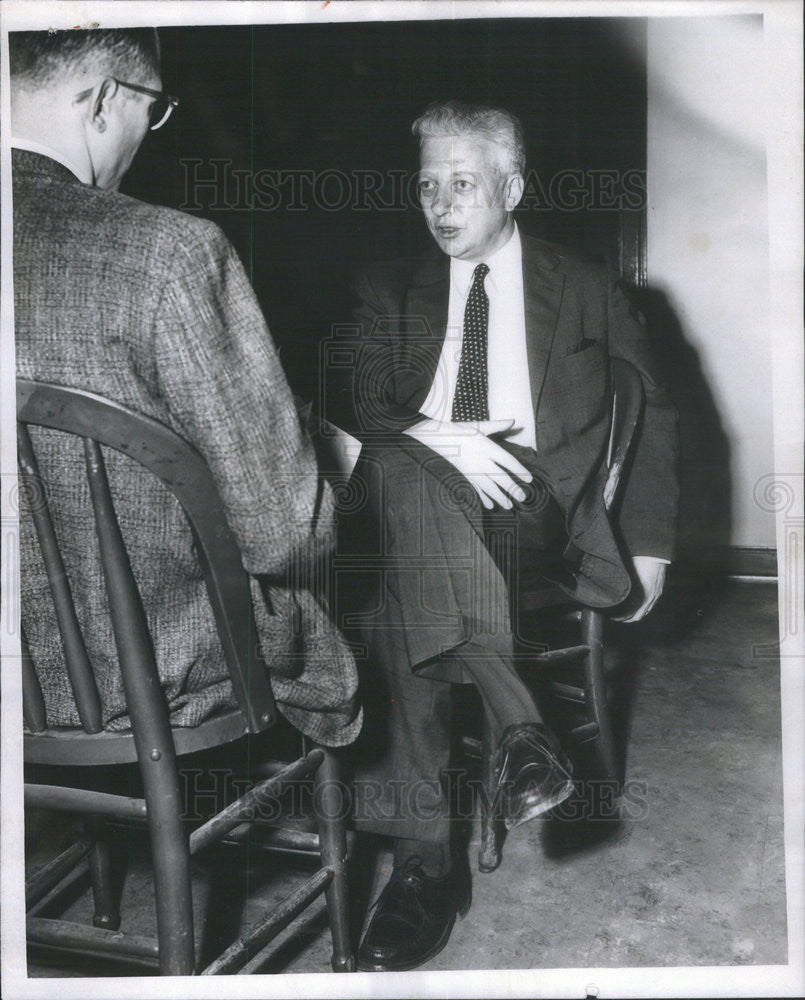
(650, 500)
(363, 399)
(223, 383)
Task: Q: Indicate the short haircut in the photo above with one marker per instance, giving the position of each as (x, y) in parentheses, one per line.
(39, 58)
(498, 125)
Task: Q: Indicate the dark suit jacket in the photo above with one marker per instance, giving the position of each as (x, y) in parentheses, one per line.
(151, 308)
(576, 319)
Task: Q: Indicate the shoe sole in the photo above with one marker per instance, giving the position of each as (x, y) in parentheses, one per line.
(559, 796)
(407, 966)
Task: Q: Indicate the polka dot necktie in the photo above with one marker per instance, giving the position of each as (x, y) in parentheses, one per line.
(471, 401)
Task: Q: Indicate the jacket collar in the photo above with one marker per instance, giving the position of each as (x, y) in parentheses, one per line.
(433, 266)
(43, 162)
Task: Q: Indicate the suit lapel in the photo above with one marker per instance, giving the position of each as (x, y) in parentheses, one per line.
(425, 323)
(543, 286)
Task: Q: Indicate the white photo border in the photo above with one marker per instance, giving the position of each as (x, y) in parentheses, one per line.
(783, 39)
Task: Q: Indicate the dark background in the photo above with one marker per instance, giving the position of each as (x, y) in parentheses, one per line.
(329, 100)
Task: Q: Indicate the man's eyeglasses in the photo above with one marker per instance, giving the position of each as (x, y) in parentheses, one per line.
(161, 108)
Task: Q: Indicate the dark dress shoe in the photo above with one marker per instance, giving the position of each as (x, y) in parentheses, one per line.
(414, 917)
(533, 774)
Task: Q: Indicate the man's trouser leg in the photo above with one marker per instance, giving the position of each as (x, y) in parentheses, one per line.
(438, 612)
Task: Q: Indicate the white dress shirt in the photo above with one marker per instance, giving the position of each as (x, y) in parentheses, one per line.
(509, 386)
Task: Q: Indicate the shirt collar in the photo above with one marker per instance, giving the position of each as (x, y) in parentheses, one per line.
(507, 257)
(53, 154)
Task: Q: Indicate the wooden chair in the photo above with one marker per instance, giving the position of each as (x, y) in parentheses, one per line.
(151, 742)
(582, 688)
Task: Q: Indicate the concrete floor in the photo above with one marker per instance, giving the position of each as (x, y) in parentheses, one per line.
(691, 874)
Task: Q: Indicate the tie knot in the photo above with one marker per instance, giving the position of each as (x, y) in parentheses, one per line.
(480, 273)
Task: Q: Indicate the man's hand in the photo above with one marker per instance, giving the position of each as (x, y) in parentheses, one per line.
(651, 574)
(468, 446)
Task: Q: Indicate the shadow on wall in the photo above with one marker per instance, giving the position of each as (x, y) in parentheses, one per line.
(705, 505)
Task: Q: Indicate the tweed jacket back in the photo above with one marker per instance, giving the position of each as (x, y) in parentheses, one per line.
(151, 308)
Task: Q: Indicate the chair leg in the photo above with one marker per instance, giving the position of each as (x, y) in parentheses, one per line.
(330, 798)
(592, 625)
(171, 861)
(104, 892)
(489, 856)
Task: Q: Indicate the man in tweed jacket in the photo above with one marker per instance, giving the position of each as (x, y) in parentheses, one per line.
(151, 308)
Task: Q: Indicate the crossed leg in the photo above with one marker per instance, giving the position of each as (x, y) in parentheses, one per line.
(429, 599)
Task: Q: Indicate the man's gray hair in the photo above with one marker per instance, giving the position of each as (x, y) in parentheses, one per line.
(497, 124)
(39, 58)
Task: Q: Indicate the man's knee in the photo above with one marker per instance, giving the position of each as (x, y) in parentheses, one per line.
(409, 478)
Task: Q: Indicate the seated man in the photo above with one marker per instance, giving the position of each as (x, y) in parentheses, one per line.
(481, 393)
(151, 308)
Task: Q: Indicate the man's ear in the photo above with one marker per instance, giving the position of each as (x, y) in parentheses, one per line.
(101, 98)
(514, 191)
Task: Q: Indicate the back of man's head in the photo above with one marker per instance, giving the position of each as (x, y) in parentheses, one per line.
(39, 60)
(78, 95)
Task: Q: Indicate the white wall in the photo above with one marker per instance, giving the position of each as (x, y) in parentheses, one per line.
(708, 239)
